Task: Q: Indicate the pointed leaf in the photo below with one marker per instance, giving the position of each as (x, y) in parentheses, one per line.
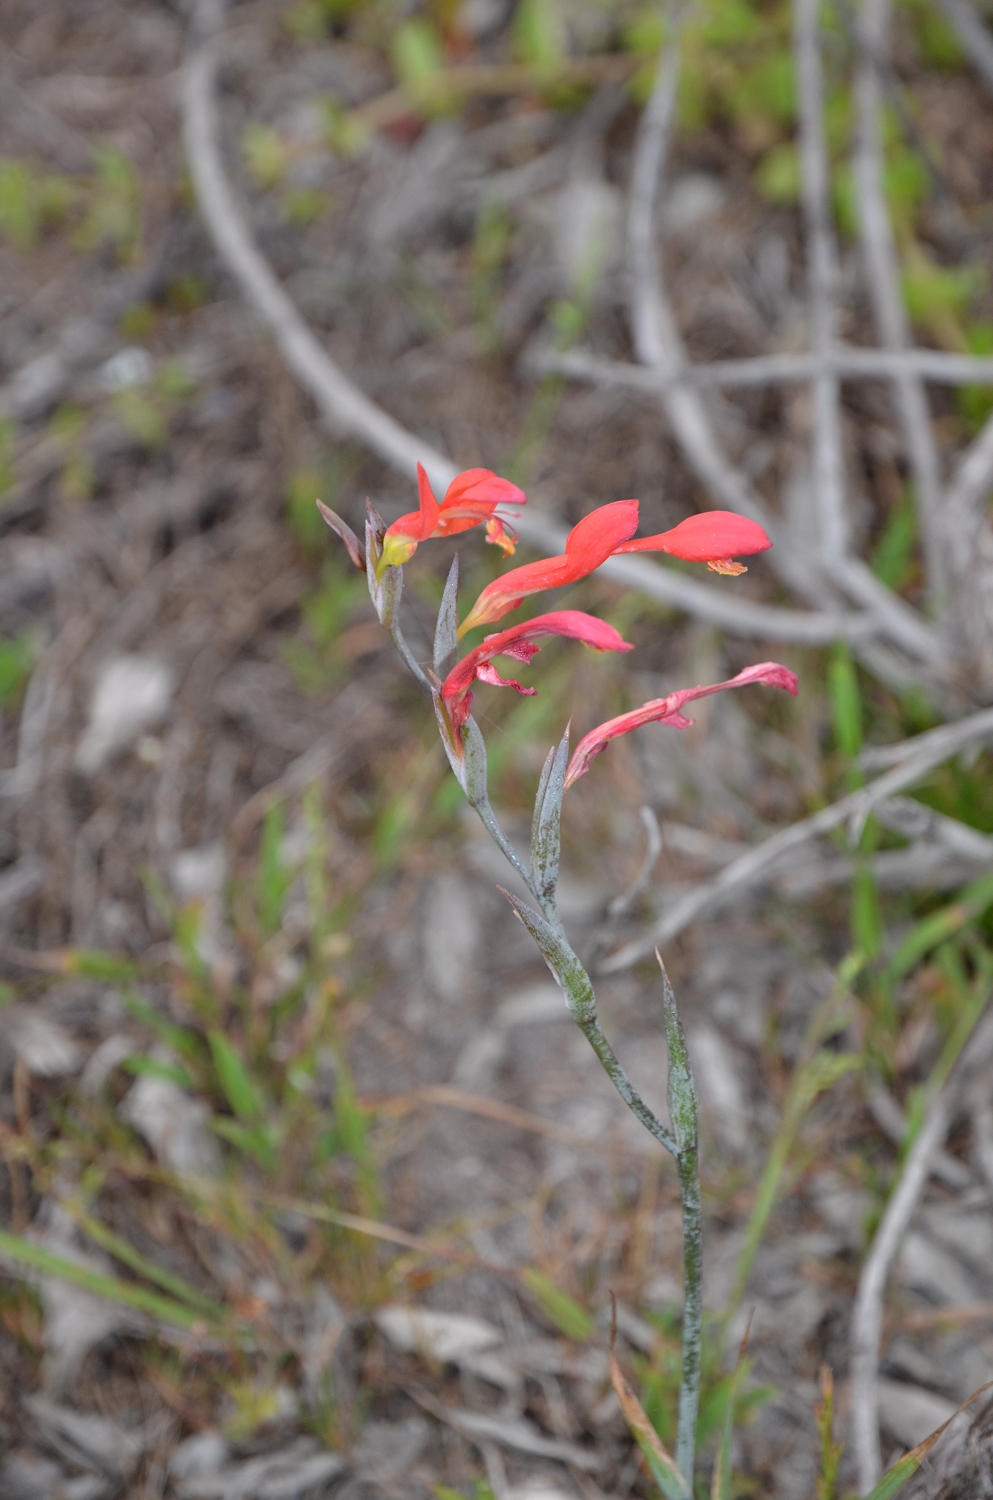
(574, 1321)
(473, 763)
(565, 966)
(446, 639)
(901, 1471)
(127, 1293)
(684, 1107)
(720, 1488)
(546, 841)
(342, 528)
(539, 795)
(661, 1465)
(234, 1080)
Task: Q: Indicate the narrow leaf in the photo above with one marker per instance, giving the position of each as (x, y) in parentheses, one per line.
(129, 1256)
(186, 1043)
(901, 1471)
(546, 828)
(940, 925)
(539, 795)
(661, 1466)
(126, 1294)
(342, 528)
(684, 1107)
(565, 966)
(446, 638)
(567, 1315)
(473, 775)
(720, 1488)
(234, 1080)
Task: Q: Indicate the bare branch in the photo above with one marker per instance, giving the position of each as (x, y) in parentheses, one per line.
(883, 268)
(867, 1317)
(657, 344)
(822, 274)
(923, 753)
(945, 741)
(967, 497)
(975, 40)
(769, 369)
(903, 625)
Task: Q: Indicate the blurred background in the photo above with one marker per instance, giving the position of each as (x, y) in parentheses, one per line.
(277, 1063)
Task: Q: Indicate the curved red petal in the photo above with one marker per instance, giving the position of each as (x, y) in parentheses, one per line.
(668, 711)
(595, 538)
(482, 487)
(711, 536)
(518, 641)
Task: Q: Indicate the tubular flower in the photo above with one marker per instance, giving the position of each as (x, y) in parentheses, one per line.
(669, 711)
(471, 498)
(715, 537)
(588, 545)
(519, 642)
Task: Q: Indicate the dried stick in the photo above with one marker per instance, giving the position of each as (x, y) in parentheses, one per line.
(867, 1314)
(882, 264)
(769, 369)
(658, 345)
(345, 408)
(904, 626)
(976, 41)
(923, 753)
(966, 499)
(867, 1317)
(822, 274)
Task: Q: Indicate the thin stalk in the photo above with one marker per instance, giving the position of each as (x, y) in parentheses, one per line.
(400, 642)
(593, 1033)
(496, 833)
(689, 1386)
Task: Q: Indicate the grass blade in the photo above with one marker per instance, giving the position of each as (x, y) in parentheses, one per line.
(901, 1471)
(24, 1253)
(720, 1488)
(661, 1465)
(129, 1256)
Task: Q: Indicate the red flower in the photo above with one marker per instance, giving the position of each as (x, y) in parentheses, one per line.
(714, 537)
(518, 641)
(668, 711)
(472, 497)
(587, 546)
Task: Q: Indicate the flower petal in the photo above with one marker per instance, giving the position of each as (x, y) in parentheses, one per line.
(713, 536)
(488, 673)
(667, 711)
(518, 641)
(588, 545)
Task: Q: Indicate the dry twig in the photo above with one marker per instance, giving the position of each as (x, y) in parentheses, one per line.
(883, 268)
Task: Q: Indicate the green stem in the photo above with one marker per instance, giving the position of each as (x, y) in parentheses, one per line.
(593, 1032)
(689, 1388)
(489, 820)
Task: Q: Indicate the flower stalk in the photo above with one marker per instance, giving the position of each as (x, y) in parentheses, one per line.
(714, 538)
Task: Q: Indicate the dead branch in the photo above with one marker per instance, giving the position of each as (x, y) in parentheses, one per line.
(867, 1315)
(883, 269)
(768, 369)
(975, 40)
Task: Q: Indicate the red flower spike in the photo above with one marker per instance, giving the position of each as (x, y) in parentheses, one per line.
(471, 498)
(668, 711)
(714, 537)
(588, 545)
(518, 642)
